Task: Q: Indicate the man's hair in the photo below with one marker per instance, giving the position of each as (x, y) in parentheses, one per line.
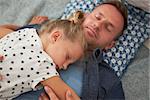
(119, 4)
(72, 31)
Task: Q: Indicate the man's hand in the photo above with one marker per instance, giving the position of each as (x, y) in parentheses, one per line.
(38, 19)
(52, 96)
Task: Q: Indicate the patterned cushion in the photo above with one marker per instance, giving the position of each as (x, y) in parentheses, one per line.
(127, 45)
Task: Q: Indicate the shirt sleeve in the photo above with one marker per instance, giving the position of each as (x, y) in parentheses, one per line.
(116, 92)
(46, 70)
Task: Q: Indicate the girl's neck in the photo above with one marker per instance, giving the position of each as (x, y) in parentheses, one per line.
(44, 40)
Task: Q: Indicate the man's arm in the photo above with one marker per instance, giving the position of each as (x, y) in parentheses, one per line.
(4, 31)
(35, 20)
(10, 26)
(59, 88)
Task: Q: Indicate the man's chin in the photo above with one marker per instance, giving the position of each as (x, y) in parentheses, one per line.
(92, 45)
(89, 39)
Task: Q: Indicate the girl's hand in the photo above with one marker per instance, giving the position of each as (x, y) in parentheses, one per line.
(1, 77)
(1, 58)
(52, 95)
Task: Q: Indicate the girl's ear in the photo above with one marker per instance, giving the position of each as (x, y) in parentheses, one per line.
(55, 36)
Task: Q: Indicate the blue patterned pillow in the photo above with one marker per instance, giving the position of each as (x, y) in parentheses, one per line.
(126, 47)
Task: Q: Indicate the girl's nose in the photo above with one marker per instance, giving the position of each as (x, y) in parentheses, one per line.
(65, 65)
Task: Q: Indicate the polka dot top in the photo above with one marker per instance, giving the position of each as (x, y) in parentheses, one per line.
(25, 63)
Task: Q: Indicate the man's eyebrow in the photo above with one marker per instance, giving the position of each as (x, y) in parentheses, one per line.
(109, 23)
(101, 14)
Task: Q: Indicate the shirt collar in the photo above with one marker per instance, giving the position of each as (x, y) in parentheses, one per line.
(97, 54)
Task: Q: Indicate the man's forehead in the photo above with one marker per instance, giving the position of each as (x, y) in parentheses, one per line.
(107, 10)
(102, 6)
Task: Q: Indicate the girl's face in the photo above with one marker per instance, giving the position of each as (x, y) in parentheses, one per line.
(63, 51)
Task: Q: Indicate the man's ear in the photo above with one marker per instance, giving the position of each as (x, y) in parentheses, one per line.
(54, 36)
(112, 44)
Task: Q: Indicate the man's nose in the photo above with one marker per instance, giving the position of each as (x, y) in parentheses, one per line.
(98, 24)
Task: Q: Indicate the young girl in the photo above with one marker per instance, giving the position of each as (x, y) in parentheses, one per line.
(32, 56)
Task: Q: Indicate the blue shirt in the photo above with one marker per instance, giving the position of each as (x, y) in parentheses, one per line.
(100, 82)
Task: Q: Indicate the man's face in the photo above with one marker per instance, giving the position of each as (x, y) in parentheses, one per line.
(103, 25)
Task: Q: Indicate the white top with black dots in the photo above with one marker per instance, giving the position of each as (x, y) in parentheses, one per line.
(25, 63)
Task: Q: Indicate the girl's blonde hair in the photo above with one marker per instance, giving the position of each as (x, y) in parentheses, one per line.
(77, 17)
(72, 31)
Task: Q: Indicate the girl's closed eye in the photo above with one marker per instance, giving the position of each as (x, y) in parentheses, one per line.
(67, 57)
(70, 59)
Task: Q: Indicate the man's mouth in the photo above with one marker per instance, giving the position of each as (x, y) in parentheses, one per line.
(91, 32)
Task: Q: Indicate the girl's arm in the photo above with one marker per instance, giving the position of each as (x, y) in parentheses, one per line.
(59, 87)
(1, 57)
